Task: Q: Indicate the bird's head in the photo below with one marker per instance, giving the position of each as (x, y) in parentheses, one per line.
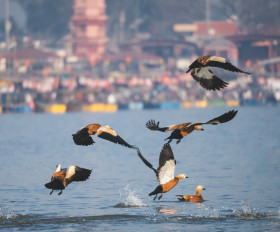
(199, 188)
(182, 176)
(198, 127)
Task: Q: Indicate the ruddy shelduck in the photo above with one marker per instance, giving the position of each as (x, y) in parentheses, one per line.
(193, 198)
(205, 76)
(181, 130)
(82, 136)
(62, 177)
(165, 171)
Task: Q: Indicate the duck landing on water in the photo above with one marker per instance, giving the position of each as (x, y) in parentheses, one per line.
(62, 177)
(165, 171)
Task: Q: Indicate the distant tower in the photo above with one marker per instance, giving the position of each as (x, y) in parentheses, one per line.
(89, 29)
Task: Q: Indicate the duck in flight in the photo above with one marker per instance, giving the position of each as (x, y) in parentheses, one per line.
(193, 198)
(165, 171)
(62, 177)
(181, 130)
(83, 136)
(205, 76)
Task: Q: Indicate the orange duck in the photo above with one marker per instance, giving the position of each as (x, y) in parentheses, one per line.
(181, 130)
(193, 198)
(205, 76)
(62, 177)
(82, 136)
(165, 171)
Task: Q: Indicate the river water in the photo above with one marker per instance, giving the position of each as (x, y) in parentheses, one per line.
(237, 162)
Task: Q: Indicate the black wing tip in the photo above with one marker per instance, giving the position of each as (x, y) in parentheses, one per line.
(233, 113)
(152, 125)
(166, 145)
(228, 116)
(82, 174)
(167, 152)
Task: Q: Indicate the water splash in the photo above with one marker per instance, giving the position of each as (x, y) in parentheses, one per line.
(248, 212)
(5, 212)
(129, 198)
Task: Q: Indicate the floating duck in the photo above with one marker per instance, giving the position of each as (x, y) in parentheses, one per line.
(205, 76)
(62, 177)
(165, 171)
(183, 129)
(193, 198)
(82, 136)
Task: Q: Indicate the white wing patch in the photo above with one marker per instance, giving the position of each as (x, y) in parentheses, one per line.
(106, 129)
(217, 58)
(169, 128)
(203, 73)
(58, 168)
(70, 172)
(166, 172)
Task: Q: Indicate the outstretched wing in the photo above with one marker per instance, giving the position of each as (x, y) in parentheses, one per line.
(220, 62)
(152, 125)
(146, 162)
(75, 173)
(167, 165)
(221, 119)
(207, 79)
(110, 135)
(82, 137)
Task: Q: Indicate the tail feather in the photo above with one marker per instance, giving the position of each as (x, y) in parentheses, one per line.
(157, 190)
(55, 185)
(181, 197)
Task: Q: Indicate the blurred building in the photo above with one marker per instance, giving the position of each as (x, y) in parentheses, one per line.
(31, 59)
(200, 29)
(89, 29)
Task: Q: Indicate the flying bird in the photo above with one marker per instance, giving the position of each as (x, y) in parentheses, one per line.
(181, 130)
(205, 76)
(83, 136)
(62, 177)
(193, 198)
(165, 171)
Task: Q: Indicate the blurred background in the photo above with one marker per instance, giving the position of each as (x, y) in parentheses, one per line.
(109, 55)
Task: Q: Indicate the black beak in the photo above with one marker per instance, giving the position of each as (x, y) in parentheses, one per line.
(204, 189)
(188, 70)
(202, 129)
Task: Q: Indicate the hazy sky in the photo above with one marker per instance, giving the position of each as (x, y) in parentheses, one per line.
(16, 12)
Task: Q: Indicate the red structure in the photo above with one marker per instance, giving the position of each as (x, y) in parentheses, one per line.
(89, 29)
